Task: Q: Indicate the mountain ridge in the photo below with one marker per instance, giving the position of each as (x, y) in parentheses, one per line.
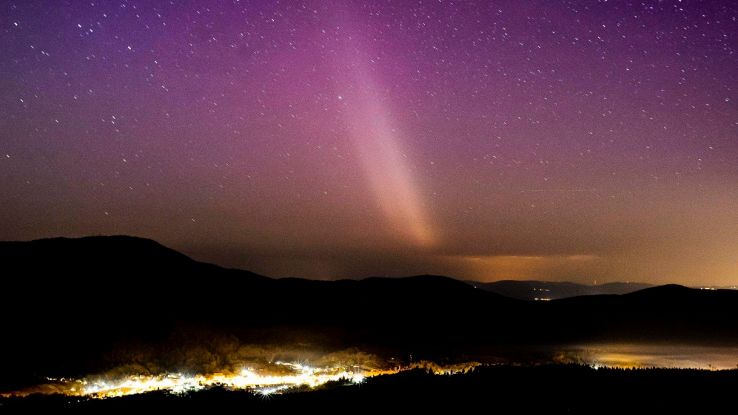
(72, 302)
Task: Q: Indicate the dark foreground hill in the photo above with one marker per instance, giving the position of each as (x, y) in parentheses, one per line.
(498, 389)
(70, 305)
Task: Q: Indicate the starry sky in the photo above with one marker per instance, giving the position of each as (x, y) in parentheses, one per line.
(527, 139)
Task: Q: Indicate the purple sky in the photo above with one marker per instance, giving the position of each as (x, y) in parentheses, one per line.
(578, 140)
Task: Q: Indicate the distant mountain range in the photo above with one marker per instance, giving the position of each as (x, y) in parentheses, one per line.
(69, 305)
(547, 290)
(552, 290)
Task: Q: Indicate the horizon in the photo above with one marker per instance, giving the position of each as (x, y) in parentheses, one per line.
(527, 139)
(584, 283)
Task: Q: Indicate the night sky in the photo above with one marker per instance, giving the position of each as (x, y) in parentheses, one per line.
(555, 140)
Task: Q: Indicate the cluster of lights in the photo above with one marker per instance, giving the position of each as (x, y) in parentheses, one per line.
(283, 377)
(290, 375)
(247, 379)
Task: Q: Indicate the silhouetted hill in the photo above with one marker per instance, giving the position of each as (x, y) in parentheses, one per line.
(90, 256)
(547, 290)
(70, 304)
(73, 300)
(668, 313)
